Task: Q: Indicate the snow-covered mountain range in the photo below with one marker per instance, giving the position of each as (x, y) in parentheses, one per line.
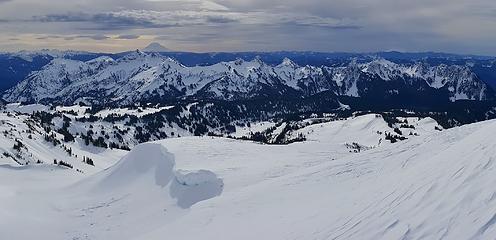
(150, 77)
(53, 53)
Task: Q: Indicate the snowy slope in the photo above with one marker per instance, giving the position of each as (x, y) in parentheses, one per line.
(368, 131)
(432, 186)
(55, 77)
(21, 130)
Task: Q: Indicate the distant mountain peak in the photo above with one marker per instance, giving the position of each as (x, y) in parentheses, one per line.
(133, 55)
(239, 61)
(155, 47)
(288, 62)
(139, 54)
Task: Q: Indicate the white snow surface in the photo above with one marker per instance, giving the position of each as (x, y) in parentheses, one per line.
(20, 128)
(139, 112)
(439, 185)
(26, 109)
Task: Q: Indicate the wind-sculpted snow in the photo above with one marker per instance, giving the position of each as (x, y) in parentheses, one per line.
(146, 162)
(142, 77)
(151, 164)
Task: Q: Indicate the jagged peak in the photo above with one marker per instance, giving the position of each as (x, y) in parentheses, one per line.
(288, 63)
(238, 61)
(379, 65)
(135, 55)
(383, 62)
(258, 60)
(353, 64)
(254, 63)
(171, 61)
(62, 62)
(420, 63)
(101, 59)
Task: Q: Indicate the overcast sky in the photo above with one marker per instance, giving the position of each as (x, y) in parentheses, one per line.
(457, 26)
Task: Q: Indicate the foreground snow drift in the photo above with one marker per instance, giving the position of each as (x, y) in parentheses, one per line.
(146, 162)
(150, 166)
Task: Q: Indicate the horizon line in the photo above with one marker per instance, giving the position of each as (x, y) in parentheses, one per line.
(256, 51)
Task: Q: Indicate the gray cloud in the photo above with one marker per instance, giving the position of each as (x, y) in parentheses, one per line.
(220, 19)
(101, 21)
(70, 38)
(94, 37)
(69, 17)
(463, 26)
(144, 19)
(127, 37)
(196, 37)
(49, 37)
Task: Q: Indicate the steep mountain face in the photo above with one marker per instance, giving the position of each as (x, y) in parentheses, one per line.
(460, 81)
(15, 67)
(143, 77)
(56, 77)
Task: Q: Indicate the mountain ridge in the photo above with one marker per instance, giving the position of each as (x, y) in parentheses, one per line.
(141, 77)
